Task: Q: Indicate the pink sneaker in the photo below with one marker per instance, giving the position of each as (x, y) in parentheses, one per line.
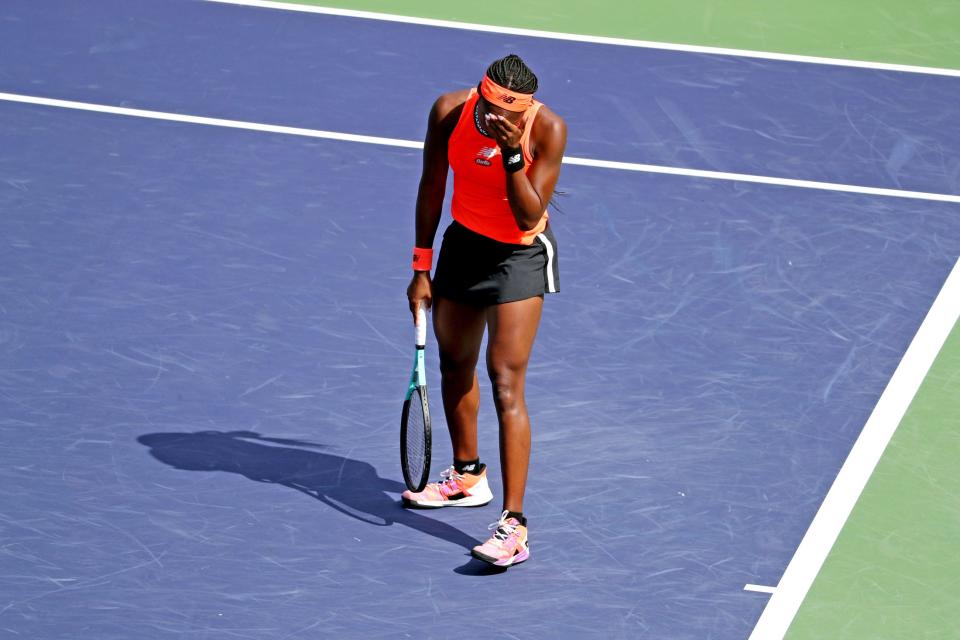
(454, 490)
(507, 546)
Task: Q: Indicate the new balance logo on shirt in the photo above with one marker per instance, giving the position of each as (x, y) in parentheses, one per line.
(484, 155)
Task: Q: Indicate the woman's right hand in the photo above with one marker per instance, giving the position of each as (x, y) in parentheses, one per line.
(420, 292)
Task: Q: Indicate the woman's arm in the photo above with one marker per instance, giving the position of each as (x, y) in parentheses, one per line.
(433, 183)
(529, 193)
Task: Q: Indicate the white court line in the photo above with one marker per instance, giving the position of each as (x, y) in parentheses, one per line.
(743, 177)
(574, 37)
(216, 122)
(864, 456)
(412, 144)
(759, 588)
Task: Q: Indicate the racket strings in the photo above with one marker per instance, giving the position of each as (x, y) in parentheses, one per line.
(415, 438)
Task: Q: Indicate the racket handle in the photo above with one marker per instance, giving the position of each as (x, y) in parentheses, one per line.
(421, 326)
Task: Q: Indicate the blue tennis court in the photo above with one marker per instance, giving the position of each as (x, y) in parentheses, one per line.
(205, 341)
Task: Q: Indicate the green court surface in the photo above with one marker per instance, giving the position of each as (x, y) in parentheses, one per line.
(894, 572)
(924, 32)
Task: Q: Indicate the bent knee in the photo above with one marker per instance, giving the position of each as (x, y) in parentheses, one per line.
(507, 386)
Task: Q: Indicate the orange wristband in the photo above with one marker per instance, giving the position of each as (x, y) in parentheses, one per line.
(422, 259)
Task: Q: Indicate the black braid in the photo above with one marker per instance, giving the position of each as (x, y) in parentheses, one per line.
(512, 73)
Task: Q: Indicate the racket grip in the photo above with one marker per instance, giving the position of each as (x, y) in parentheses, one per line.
(421, 326)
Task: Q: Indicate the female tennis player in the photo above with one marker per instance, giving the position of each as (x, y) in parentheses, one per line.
(497, 260)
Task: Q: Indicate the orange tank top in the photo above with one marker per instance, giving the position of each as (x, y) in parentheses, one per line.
(479, 179)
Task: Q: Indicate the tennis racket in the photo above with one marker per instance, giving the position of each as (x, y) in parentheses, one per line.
(415, 419)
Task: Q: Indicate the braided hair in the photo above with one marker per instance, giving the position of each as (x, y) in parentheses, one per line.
(512, 73)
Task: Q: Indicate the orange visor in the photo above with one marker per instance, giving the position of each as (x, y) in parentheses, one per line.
(504, 98)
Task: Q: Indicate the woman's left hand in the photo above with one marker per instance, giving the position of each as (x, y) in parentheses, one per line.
(504, 132)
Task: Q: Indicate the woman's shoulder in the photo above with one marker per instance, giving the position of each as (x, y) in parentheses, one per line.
(454, 99)
(449, 104)
(549, 133)
(548, 123)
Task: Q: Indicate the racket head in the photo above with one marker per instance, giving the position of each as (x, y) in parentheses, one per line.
(415, 433)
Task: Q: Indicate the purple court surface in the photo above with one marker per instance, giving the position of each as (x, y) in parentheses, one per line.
(205, 342)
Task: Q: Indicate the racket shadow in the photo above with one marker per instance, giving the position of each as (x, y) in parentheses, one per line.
(351, 487)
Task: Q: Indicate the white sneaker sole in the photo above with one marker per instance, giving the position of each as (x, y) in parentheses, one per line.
(470, 501)
(481, 496)
(508, 562)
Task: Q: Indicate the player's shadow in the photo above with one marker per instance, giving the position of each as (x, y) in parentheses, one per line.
(350, 486)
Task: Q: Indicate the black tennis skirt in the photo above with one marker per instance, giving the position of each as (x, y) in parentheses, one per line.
(480, 271)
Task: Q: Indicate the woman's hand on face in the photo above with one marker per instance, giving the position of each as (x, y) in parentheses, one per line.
(504, 132)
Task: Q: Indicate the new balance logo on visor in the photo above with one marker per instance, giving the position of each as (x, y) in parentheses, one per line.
(507, 99)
